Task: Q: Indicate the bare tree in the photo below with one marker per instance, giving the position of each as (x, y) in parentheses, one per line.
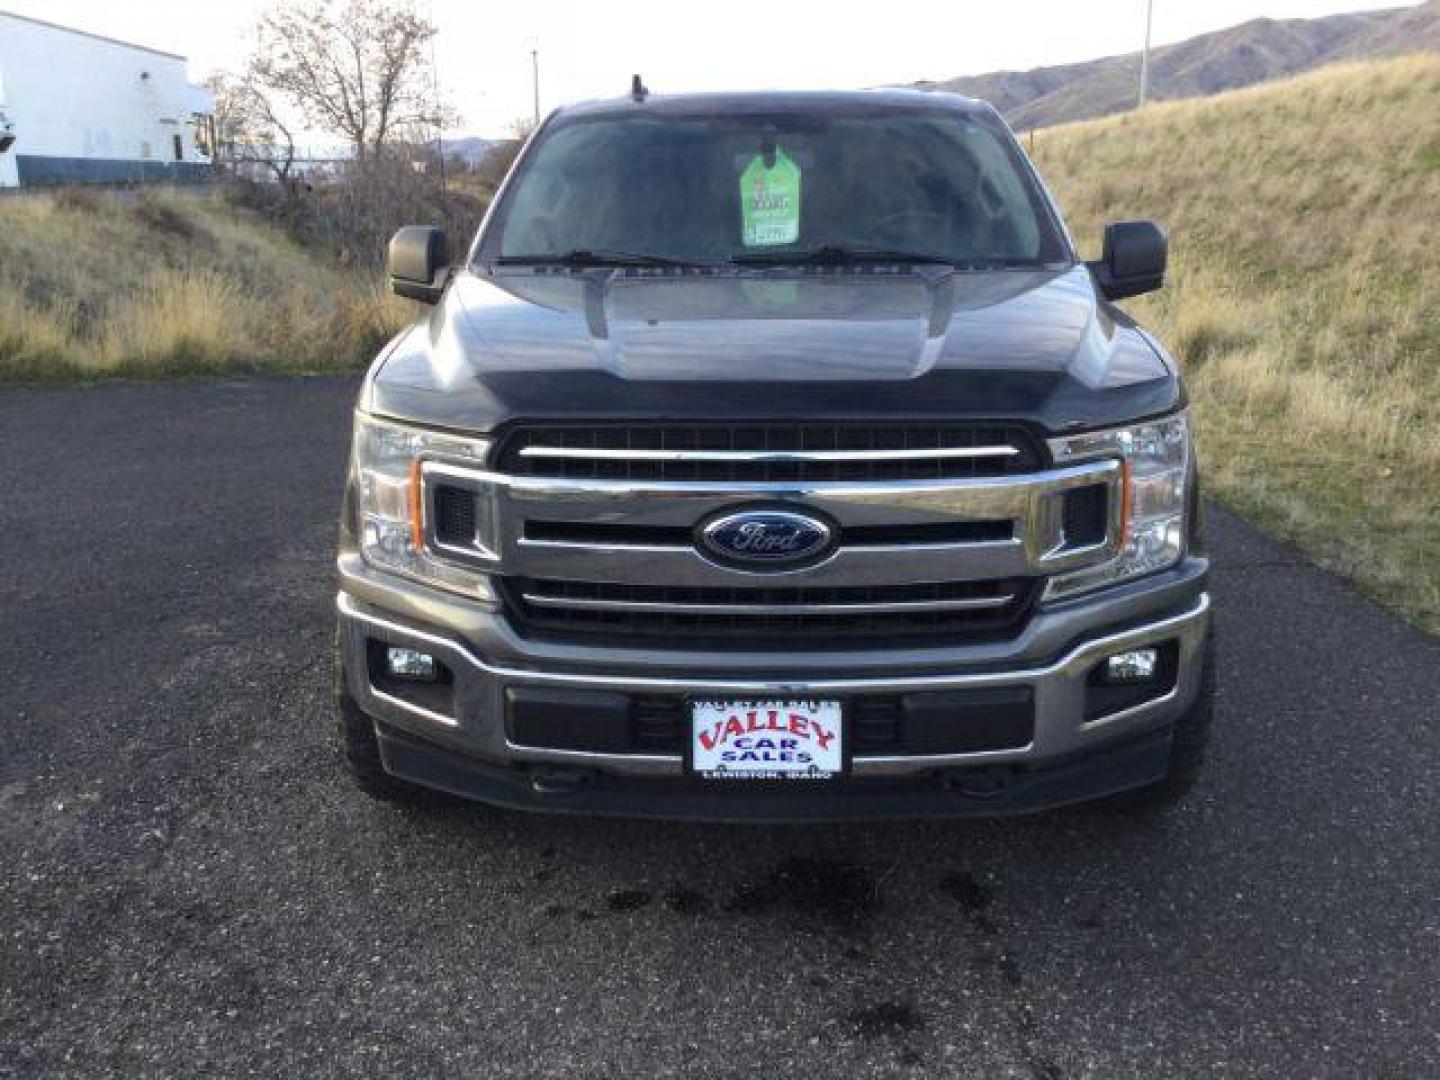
(357, 70)
(250, 130)
(352, 67)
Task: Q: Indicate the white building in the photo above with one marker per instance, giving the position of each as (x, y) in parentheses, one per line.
(80, 107)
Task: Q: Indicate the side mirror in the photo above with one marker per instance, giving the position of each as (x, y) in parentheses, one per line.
(1133, 261)
(417, 263)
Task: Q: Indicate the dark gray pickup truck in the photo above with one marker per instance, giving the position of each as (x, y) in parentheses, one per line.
(774, 457)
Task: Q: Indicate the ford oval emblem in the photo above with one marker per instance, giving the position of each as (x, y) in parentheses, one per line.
(766, 538)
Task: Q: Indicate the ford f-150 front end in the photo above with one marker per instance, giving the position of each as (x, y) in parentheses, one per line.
(774, 457)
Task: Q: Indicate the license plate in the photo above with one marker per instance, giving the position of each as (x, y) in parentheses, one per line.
(766, 740)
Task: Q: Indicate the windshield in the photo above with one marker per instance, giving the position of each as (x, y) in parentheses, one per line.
(942, 185)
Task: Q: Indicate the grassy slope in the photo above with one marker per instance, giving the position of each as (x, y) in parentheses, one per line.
(1304, 299)
(95, 284)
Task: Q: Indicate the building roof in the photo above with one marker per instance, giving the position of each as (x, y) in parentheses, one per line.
(88, 34)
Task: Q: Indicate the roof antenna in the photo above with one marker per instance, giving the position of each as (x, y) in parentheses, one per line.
(638, 90)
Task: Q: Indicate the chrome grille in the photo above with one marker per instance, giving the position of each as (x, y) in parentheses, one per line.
(782, 452)
(767, 618)
(596, 533)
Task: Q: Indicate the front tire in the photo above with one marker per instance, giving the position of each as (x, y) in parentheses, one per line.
(1188, 744)
(359, 749)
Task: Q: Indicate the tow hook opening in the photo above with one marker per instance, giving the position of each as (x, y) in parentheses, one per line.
(556, 780)
(980, 782)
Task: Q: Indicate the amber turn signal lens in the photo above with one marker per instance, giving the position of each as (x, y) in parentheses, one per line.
(1127, 502)
(417, 507)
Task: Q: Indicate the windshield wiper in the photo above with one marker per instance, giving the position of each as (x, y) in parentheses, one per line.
(583, 257)
(836, 255)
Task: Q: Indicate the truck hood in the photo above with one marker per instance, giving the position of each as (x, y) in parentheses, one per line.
(872, 344)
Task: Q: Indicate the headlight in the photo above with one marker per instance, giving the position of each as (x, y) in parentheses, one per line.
(1154, 498)
(390, 511)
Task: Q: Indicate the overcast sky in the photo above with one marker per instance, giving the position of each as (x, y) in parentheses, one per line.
(589, 48)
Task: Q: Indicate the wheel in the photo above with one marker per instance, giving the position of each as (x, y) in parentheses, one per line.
(1187, 748)
(360, 749)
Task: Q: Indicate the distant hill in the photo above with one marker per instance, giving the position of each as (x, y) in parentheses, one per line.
(1252, 52)
(471, 150)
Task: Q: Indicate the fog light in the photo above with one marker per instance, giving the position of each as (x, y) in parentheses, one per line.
(409, 664)
(1135, 666)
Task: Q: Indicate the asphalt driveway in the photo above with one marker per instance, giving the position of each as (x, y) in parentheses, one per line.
(189, 886)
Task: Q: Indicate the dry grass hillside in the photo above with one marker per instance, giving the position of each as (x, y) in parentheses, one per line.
(1304, 299)
(95, 284)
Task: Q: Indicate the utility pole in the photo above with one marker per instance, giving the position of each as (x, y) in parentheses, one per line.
(535, 68)
(439, 120)
(1145, 55)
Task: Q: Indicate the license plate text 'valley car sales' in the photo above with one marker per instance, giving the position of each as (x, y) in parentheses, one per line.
(766, 740)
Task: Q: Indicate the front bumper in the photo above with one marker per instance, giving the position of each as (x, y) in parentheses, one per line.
(464, 747)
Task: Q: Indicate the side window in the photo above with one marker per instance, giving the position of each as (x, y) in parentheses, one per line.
(179, 147)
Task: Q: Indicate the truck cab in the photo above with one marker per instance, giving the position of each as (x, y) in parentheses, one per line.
(774, 457)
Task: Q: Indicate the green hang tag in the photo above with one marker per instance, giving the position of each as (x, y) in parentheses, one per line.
(770, 201)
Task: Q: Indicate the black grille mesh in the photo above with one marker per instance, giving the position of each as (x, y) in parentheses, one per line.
(454, 515)
(767, 631)
(1085, 512)
(875, 724)
(660, 723)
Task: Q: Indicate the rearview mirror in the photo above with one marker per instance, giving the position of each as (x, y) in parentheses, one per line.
(1133, 261)
(417, 263)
